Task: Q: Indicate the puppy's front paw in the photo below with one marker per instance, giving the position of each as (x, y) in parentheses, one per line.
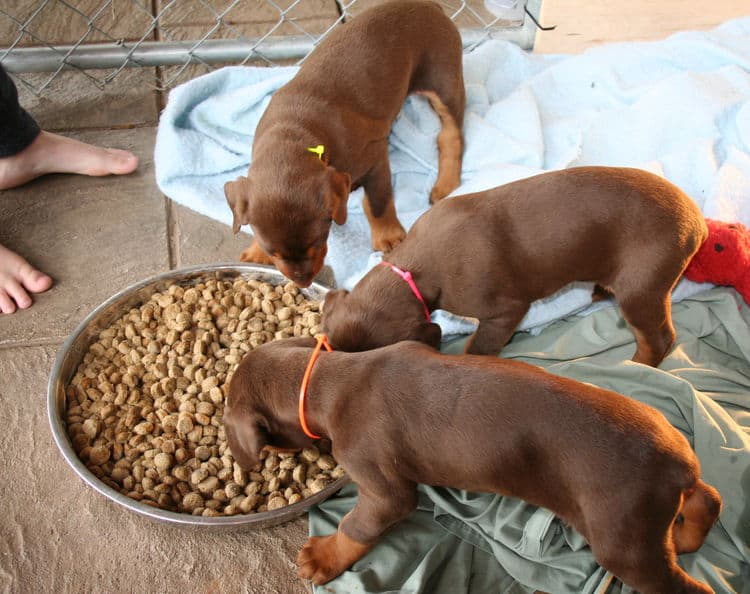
(385, 238)
(255, 254)
(318, 561)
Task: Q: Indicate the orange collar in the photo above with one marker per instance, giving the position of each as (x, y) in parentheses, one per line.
(322, 341)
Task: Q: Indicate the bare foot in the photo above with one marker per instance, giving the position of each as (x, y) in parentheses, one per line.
(18, 278)
(52, 153)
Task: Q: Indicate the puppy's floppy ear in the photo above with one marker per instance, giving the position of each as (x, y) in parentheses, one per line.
(340, 184)
(246, 437)
(429, 333)
(238, 197)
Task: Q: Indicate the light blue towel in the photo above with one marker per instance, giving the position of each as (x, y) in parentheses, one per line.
(678, 107)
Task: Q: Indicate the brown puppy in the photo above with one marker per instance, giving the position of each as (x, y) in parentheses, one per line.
(343, 100)
(489, 255)
(611, 467)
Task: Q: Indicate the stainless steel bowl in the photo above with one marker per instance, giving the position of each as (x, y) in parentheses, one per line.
(71, 354)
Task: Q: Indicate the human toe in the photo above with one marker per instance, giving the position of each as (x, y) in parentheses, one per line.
(33, 279)
(17, 293)
(7, 305)
(120, 162)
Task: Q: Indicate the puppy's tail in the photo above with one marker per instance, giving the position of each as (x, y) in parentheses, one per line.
(699, 510)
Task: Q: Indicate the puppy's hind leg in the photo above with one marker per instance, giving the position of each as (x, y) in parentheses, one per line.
(494, 333)
(635, 543)
(699, 511)
(638, 552)
(650, 316)
(653, 570)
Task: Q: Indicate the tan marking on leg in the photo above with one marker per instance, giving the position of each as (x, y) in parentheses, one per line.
(450, 148)
(386, 230)
(326, 557)
(600, 293)
(255, 254)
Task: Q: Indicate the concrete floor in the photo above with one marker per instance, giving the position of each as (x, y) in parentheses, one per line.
(94, 236)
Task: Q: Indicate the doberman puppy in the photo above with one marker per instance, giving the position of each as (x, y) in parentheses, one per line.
(611, 467)
(489, 255)
(326, 131)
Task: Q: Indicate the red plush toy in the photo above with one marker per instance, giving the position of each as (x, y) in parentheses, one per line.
(724, 258)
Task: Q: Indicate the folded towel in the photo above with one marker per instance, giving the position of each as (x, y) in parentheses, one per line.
(678, 107)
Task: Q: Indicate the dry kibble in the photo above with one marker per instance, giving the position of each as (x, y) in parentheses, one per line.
(209, 485)
(216, 395)
(163, 461)
(287, 463)
(326, 462)
(274, 484)
(299, 474)
(181, 473)
(233, 490)
(253, 488)
(203, 452)
(310, 454)
(184, 424)
(99, 455)
(205, 408)
(120, 474)
(276, 503)
(249, 503)
(91, 428)
(191, 501)
(181, 454)
(198, 475)
(145, 405)
(318, 485)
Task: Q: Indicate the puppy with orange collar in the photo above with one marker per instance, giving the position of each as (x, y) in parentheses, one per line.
(326, 132)
(610, 466)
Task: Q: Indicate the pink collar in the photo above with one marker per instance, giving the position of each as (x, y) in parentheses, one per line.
(406, 275)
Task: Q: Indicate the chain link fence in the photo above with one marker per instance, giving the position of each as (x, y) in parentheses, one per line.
(101, 38)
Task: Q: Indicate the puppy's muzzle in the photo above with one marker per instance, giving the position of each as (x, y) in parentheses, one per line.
(301, 274)
(304, 271)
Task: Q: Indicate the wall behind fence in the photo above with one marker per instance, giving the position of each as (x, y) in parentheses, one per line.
(171, 41)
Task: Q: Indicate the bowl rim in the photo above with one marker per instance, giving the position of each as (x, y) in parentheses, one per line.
(62, 440)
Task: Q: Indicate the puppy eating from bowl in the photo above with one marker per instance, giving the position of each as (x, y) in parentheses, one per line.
(609, 466)
(326, 132)
(489, 255)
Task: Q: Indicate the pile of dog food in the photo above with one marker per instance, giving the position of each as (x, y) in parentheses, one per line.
(144, 409)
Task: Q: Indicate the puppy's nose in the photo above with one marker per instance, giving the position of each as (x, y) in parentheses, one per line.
(302, 279)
